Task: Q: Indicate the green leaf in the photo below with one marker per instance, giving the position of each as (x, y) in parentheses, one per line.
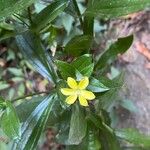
(73, 126)
(118, 47)
(129, 105)
(63, 128)
(5, 34)
(88, 24)
(10, 122)
(49, 13)
(96, 86)
(9, 7)
(84, 65)
(2, 103)
(27, 106)
(93, 142)
(115, 8)
(78, 126)
(133, 136)
(32, 48)
(108, 99)
(15, 71)
(78, 45)
(4, 85)
(65, 69)
(35, 123)
(107, 135)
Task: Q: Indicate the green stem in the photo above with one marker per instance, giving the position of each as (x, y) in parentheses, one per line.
(78, 12)
(29, 15)
(23, 97)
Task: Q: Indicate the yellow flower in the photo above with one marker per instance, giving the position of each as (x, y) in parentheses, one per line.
(77, 90)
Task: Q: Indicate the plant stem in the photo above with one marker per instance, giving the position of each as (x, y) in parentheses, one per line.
(22, 97)
(78, 12)
(29, 15)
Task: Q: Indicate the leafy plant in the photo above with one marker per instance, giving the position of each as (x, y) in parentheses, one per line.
(80, 124)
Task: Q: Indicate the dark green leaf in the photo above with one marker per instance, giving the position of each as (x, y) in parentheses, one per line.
(115, 8)
(88, 26)
(107, 100)
(62, 136)
(96, 86)
(118, 47)
(73, 133)
(133, 136)
(107, 135)
(10, 122)
(2, 103)
(30, 45)
(49, 14)
(27, 106)
(84, 65)
(65, 69)
(33, 140)
(93, 142)
(78, 45)
(8, 7)
(34, 125)
(4, 34)
(78, 126)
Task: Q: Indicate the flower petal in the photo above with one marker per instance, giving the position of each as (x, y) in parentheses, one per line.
(71, 99)
(83, 83)
(67, 91)
(87, 95)
(83, 101)
(71, 83)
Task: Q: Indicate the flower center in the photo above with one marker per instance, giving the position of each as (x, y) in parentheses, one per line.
(78, 92)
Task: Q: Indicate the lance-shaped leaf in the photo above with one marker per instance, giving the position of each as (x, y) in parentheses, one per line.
(96, 86)
(78, 45)
(65, 69)
(84, 65)
(35, 123)
(118, 47)
(108, 99)
(115, 8)
(33, 50)
(28, 105)
(10, 122)
(8, 7)
(107, 136)
(133, 136)
(78, 126)
(49, 13)
(73, 126)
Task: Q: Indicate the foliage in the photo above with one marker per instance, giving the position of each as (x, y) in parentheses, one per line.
(71, 42)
